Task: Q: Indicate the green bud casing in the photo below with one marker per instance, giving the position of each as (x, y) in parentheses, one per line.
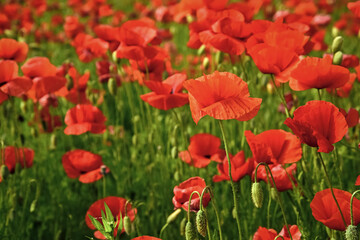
(257, 194)
(201, 222)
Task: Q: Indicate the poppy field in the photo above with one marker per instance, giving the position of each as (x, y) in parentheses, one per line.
(179, 119)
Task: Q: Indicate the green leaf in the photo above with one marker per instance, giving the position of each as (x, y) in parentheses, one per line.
(109, 215)
(96, 223)
(120, 227)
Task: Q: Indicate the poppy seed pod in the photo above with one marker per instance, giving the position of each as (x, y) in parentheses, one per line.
(351, 233)
(257, 194)
(201, 222)
(127, 225)
(190, 231)
(337, 44)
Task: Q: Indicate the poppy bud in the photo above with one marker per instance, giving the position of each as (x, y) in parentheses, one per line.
(4, 172)
(173, 216)
(335, 32)
(205, 62)
(189, 18)
(336, 44)
(190, 231)
(114, 56)
(201, 50)
(273, 193)
(219, 57)
(23, 107)
(52, 142)
(257, 194)
(351, 233)
(112, 86)
(174, 152)
(201, 222)
(127, 225)
(182, 227)
(337, 58)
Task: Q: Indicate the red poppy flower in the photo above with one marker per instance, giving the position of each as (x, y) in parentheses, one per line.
(83, 118)
(325, 210)
(10, 83)
(183, 191)
(313, 72)
(239, 168)
(88, 48)
(167, 94)
(281, 178)
(13, 50)
(343, 91)
(270, 234)
(86, 166)
(357, 182)
(117, 208)
(13, 155)
(351, 117)
(38, 67)
(274, 146)
(318, 124)
(221, 95)
(146, 238)
(203, 149)
(354, 7)
(72, 26)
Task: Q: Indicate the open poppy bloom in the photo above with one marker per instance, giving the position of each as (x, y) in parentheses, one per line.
(270, 234)
(221, 95)
(84, 118)
(13, 50)
(274, 146)
(88, 48)
(354, 7)
(318, 124)
(280, 174)
(13, 155)
(10, 83)
(203, 149)
(357, 182)
(239, 168)
(86, 166)
(167, 94)
(183, 191)
(313, 72)
(351, 117)
(117, 208)
(325, 210)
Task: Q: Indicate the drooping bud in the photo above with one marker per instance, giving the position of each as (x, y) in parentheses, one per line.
(201, 222)
(337, 44)
(182, 227)
(127, 225)
(173, 216)
(351, 233)
(205, 62)
(201, 50)
(190, 231)
(174, 152)
(273, 194)
(257, 194)
(4, 172)
(337, 59)
(112, 86)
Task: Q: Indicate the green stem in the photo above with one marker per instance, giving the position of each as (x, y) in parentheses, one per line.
(162, 229)
(277, 193)
(280, 96)
(351, 207)
(231, 181)
(331, 188)
(279, 236)
(319, 93)
(189, 204)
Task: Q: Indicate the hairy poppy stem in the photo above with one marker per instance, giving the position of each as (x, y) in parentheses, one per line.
(268, 170)
(189, 204)
(231, 180)
(331, 188)
(209, 189)
(281, 96)
(351, 207)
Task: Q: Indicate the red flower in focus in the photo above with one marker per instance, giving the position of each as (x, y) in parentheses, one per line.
(274, 146)
(117, 208)
(282, 180)
(10, 83)
(167, 94)
(239, 168)
(183, 191)
(146, 238)
(86, 166)
(313, 72)
(203, 149)
(221, 95)
(325, 210)
(318, 124)
(270, 234)
(83, 118)
(11, 49)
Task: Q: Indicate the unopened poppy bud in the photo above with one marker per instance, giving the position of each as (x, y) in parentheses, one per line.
(4, 172)
(190, 231)
(205, 62)
(273, 193)
(114, 56)
(337, 44)
(351, 233)
(69, 82)
(257, 194)
(201, 222)
(201, 50)
(338, 56)
(219, 57)
(112, 86)
(182, 227)
(189, 18)
(52, 142)
(23, 107)
(335, 32)
(270, 88)
(134, 139)
(127, 225)
(173, 216)
(174, 152)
